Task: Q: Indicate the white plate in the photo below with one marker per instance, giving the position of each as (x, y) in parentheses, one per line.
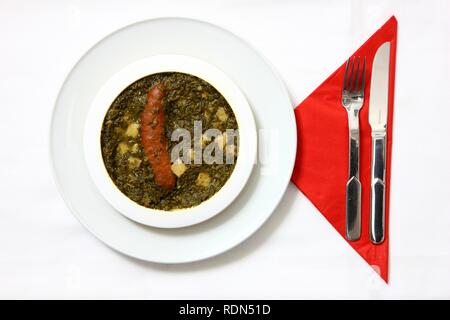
(265, 93)
(247, 141)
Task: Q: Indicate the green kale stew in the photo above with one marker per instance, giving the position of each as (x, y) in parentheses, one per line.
(136, 140)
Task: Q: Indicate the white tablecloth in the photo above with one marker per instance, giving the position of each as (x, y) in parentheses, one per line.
(46, 253)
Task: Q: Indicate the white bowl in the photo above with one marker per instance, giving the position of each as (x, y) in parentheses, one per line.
(247, 141)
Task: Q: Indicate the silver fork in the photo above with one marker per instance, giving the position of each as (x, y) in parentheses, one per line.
(353, 100)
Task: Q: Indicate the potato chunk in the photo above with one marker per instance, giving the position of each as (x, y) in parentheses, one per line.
(203, 180)
(178, 168)
(132, 130)
(134, 148)
(134, 162)
(221, 114)
(123, 148)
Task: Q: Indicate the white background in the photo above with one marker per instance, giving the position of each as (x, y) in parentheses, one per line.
(46, 253)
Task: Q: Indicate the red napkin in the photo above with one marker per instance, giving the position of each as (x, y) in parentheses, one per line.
(321, 167)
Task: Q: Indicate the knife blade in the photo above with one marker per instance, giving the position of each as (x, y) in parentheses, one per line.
(378, 113)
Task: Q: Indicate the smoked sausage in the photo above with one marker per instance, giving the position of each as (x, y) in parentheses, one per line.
(153, 139)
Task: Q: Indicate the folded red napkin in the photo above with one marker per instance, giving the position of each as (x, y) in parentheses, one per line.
(321, 167)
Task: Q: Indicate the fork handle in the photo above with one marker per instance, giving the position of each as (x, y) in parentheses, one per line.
(377, 196)
(353, 188)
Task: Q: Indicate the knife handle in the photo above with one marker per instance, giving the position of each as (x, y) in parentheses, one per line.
(353, 188)
(378, 189)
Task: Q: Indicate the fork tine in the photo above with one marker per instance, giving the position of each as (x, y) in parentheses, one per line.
(352, 75)
(346, 75)
(363, 76)
(355, 88)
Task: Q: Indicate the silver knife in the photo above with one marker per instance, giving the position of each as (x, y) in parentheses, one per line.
(378, 113)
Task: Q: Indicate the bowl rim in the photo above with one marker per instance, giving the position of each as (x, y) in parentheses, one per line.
(247, 141)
